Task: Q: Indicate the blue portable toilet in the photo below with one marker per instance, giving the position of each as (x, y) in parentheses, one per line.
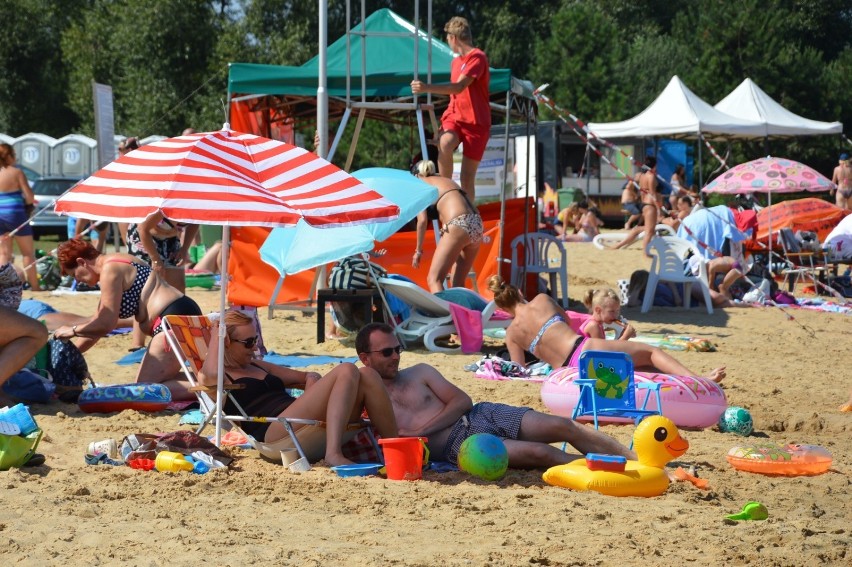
(34, 151)
(74, 155)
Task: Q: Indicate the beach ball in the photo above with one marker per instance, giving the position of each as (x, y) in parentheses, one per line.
(484, 455)
(736, 420)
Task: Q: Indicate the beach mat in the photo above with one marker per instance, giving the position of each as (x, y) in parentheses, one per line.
(675, 342)
(302, 360)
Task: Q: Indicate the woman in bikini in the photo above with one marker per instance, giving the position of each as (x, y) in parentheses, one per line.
(164, 245)
(16, 201)
(842, 178)
(336, 398)
(540, 327)
(129, 288)
(461, 230)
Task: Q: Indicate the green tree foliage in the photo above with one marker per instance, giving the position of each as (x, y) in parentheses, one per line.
(579, 56)
(605, 59)
(32, 83)
(154, 54)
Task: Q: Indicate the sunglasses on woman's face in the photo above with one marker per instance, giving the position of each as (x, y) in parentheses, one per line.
(248, 343)
(388, 352)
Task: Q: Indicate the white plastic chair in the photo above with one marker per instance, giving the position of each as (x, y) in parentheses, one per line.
(538, 249)
(668, 265)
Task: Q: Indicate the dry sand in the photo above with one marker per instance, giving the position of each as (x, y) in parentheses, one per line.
(792, 374)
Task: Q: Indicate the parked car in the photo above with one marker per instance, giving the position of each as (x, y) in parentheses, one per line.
(46, 221)
(31, 174)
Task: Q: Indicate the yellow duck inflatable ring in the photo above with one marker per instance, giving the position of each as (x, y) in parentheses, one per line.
(656, 442)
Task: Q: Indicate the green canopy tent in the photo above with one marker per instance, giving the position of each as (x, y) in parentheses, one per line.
(369, 70)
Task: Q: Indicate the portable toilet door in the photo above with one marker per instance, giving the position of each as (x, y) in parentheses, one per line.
(33, 150)
(74, 156)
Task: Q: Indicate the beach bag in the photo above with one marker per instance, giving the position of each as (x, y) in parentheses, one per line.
(67, 369)
(28, 386)
(353, 273)
(49, 274)
(17, 450)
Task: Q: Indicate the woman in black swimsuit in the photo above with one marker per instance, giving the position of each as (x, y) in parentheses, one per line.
(128, 290)
(336, 398)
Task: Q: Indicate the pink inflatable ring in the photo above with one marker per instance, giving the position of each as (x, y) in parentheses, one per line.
(689, 401)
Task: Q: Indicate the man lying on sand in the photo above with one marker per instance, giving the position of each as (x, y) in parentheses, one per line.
(427, 405)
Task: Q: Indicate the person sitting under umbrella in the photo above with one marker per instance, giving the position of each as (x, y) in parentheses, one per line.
(129, 288)
(336, 398)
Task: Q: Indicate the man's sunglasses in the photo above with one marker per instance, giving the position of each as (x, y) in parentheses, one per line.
(249, 342)
(388, 352)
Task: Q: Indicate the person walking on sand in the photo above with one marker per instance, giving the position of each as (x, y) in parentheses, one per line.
(428, 405)
(467, 119)
(651, 200)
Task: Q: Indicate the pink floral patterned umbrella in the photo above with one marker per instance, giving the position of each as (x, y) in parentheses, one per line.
(769, 175)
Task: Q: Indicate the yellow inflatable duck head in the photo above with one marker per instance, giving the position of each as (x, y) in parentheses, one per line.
(657, 441)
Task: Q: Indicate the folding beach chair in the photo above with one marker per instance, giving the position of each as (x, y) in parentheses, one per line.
(431, 317)
(188, 336)
(607, 388)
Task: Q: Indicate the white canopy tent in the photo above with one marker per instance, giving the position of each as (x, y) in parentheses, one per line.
(750, 102)
(678, 112)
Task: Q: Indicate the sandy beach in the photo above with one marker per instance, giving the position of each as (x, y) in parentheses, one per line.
(789, 368)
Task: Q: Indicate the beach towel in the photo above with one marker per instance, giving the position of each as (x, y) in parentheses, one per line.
(469, 326)
(301, 360)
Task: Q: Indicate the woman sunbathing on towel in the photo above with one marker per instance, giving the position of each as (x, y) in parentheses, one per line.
(336, 398)
(540, 327)
(129, 288)
(461, 230)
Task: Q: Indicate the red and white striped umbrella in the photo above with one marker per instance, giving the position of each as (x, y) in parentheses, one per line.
(231, 179)
(226, 178)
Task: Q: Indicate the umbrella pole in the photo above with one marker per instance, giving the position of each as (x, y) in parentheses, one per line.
(769, 223)
(220, 366)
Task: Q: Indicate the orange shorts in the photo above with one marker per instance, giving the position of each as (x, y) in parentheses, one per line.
(474, 138)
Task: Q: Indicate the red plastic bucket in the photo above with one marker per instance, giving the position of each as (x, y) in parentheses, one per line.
(404, 457)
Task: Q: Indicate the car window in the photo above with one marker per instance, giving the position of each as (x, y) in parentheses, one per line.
(29, 173)
(52, 187)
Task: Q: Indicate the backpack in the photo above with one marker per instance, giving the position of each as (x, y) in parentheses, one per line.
(67, 369)
(353, 273)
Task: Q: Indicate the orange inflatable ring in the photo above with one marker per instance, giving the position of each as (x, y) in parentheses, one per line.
(781, 460)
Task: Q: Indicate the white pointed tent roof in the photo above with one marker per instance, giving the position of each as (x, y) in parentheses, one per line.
(679, 112)
(750, 102)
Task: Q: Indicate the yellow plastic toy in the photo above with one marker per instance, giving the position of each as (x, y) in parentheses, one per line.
(656, 442)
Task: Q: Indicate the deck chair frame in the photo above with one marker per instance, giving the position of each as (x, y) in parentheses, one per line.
(180, 328)
(430, 317)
